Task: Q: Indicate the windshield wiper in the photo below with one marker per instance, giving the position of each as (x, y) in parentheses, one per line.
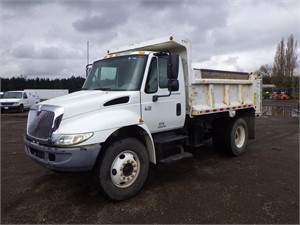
(103, 89)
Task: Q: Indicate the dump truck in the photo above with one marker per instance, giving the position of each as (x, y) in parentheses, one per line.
(141, 104)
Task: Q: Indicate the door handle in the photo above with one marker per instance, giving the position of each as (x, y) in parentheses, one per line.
(148, 108)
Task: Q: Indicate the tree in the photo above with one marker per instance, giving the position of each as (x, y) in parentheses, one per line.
(291, 56)
(266, 72)
(279, 64)
(285, 63)
(20, 83)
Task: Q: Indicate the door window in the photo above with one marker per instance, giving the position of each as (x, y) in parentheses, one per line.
(163, 76)
(157, 75)
(151, 83)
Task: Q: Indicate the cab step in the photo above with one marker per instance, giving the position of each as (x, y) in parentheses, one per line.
(175, 158)
(165, 139)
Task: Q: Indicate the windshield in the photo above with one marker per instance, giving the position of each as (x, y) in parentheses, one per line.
(122, 73)
(12, 95)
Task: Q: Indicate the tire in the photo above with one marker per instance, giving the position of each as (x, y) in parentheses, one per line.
(237, 137)
(122, 171)
(219, 135)
(57, 171)
(21, 108)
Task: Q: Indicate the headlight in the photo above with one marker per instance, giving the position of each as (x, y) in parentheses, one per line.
(72, 139)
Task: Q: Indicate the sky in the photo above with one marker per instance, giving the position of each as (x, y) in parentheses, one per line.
(48, 39)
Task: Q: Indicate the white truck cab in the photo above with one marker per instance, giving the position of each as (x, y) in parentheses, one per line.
(18, 100)
(142, 104)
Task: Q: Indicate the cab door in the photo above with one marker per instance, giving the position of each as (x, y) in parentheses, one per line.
(167, 112)
(26, 100)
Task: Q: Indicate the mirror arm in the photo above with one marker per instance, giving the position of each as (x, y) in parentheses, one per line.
(87, 68)
(155, 97)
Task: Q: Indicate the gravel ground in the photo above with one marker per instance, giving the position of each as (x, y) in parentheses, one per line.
(261, 186)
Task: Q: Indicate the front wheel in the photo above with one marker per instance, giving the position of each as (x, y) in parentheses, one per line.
(122, 170)
(21, 108)
(237, 138)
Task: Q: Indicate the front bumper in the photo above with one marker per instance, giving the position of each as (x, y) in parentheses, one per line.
(10, 107)
(81, 158)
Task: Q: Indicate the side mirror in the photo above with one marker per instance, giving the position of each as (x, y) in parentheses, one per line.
(173, 64)
(172, 74)
(88, 68)
(173, 85)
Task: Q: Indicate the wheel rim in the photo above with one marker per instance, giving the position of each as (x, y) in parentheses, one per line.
(125, 169)
(240, 136)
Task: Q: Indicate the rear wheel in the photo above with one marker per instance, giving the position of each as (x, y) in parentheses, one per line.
(237, 137)
(122, 170)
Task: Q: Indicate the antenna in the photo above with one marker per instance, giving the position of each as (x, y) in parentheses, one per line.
(87, 52)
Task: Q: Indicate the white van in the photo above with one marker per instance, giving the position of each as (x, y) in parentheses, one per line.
(18, 100)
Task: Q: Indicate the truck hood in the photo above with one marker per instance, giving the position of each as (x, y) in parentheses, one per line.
(9, 100)
(86, 101)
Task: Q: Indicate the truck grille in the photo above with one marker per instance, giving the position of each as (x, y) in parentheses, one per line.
(39, 124)
(7, 103)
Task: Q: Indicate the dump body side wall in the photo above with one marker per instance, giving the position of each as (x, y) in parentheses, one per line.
(217, 91)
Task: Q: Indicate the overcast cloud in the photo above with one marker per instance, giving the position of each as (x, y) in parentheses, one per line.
(49, 38)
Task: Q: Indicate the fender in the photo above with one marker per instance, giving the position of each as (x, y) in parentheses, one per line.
(140, 131)
(149, 143)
